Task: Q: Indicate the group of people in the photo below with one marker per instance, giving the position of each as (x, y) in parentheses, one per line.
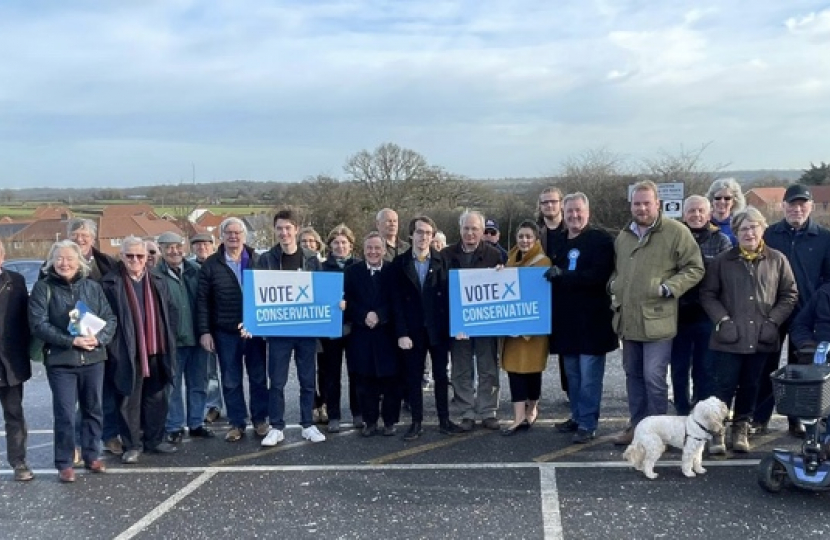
(712, 296)
(715, 300)
(119, 388)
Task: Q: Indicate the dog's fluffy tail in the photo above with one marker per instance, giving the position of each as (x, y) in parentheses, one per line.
(634, 454)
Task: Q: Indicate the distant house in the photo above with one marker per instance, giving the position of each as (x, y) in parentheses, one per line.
(52, 212)
(768, 201)
(120, 221)
(210, 221)
(35, 239)
(10, 228)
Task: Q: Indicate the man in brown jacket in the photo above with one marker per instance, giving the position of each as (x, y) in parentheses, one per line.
(657, 261)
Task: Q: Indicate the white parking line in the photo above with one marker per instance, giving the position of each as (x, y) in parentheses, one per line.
(551, 518)
(165, 506)
(398, 467)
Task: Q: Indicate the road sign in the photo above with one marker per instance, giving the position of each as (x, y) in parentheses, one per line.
(673, 208)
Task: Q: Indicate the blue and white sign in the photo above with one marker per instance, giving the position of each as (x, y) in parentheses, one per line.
(292, 304)
(506, 302)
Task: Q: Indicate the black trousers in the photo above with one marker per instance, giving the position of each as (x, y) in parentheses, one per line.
(525, 386)
(370, 390)
(332, 358)
(142, 414)
(738, 376)
(11, 398)
(414, 361)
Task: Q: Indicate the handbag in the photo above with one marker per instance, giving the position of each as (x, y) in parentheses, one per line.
(37, 347)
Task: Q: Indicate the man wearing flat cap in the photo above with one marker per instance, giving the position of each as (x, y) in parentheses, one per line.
(806, 244)
(182, 278)
(202, 246)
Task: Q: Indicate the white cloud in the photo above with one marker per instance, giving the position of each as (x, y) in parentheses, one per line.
(283, 89)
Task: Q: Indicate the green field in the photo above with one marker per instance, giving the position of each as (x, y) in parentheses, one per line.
(22, 211)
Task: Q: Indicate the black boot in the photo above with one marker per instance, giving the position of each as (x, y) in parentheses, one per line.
(415, 431)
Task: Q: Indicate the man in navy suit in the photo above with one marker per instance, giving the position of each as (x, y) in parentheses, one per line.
(421, 308)
(371, 354)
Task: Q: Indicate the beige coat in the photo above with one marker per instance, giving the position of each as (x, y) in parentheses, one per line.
(525, 354)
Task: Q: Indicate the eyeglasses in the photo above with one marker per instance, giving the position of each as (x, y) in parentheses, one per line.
(139, 256)
(724, 198)
(151, 252)
(491, 233)
(748, 228)
(229, 233)
(550, 201)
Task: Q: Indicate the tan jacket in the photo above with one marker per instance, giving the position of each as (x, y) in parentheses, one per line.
(667, 255)
(526, 354)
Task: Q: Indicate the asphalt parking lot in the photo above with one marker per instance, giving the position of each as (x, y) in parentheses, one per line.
(480, 485)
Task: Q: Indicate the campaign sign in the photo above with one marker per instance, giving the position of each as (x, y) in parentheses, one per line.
(292, 304)
(506, 302)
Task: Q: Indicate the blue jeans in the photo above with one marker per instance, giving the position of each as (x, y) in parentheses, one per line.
(585, 373)
(191, 367)
(79, 387)
(690, 352)
(235, 356)
(214, 387)
(279, 360)
(646, 364)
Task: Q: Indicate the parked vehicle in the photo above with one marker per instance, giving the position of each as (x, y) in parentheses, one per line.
(29, 268)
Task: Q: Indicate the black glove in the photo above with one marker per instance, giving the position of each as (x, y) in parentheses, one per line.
(552, 273)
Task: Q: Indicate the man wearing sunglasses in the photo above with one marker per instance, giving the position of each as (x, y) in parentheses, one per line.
(143, 351)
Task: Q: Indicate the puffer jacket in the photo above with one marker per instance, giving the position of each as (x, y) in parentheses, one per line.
(50, 322)
(757, 296)
(219, 296)
(667, 255)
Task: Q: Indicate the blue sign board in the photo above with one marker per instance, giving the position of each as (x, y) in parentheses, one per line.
(506, 302)
(292, 304)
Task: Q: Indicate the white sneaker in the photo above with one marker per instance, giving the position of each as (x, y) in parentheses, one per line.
(313, 434)
(273, 437)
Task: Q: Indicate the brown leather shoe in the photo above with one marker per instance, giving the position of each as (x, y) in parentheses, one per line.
(22, 473)
(96, 466)
(625, 438)
(114, 446)
(67, 475)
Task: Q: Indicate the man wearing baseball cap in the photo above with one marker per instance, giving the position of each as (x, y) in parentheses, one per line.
(491, 235)
(806, 244)
(182, 277)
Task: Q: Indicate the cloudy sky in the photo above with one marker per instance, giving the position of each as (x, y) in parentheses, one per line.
(135, 91)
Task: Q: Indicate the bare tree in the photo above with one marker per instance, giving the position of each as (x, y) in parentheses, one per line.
(685, 166)
(604, 177)
(395, 177)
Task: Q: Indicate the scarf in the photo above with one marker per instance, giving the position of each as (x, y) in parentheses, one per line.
(341, 261)
(750, 256)
(148, 328)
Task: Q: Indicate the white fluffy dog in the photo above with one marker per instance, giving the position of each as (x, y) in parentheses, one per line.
(687, 432)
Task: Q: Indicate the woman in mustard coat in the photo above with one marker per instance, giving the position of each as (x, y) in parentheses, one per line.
(524, 358)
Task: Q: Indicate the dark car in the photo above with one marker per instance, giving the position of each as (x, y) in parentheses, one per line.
(30, 268)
